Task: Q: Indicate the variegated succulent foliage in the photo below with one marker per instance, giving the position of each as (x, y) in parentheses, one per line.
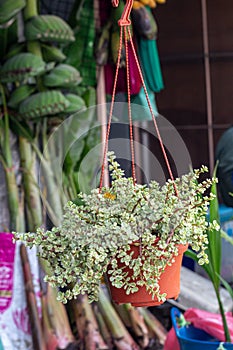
(95, 236)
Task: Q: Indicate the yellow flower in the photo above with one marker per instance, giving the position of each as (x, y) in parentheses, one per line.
(109, 195)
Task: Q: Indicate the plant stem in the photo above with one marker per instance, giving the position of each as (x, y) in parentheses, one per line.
(12, 188)
(30, 9)
(104, 331)
(154, 325)
(52, 194)
(221, 309)
(32, 195)
(85, 318)
(13, 199)
(7, 147)
(37, 335)
(59, 319)
(28, 156)
(138, 325)
(121, 337)
(49, 335)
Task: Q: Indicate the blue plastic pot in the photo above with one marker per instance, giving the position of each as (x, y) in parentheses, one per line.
(191, 338)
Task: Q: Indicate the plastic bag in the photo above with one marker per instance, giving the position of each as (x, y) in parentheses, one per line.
(15, 330)
(205, 320)
(209, 322)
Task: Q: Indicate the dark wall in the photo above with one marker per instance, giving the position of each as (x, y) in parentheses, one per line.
(180, 44)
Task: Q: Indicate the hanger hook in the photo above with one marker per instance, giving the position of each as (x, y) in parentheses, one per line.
(124, 20)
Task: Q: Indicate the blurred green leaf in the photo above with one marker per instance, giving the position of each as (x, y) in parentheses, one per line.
(227, 286)
(215, 240)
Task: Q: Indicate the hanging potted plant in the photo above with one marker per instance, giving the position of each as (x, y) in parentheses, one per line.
(135, 234)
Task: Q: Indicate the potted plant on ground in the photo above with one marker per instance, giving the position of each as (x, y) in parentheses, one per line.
(132, 233)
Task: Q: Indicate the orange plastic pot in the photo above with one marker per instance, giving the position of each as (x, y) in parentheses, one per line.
(169, 284)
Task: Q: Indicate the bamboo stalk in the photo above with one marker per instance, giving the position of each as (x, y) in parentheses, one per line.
(59, 319)
(154, 325)
(53, 195)
(124, 315)
(104, 331)
(57, 314)
(49, 335)
(13, 199)
(138, 325)
(50, 194)
(30, 9)
(21, 213)
(32, 193)
(37, 335)
(85, 318)
(121, 337)
(7, 162)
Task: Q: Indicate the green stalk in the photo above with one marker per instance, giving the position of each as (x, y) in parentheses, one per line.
(59, 319)
(21, 222)
(57, 314)
(215, 251)
(48, 332)
(13, 199)
(52, 194)
(85, 318)
(104, 331)
(224, 321)
(12, 188)
(138, 325)
(30, 9)
(154, 326)
(37, 334)
(121, 337)
(7, 147)
(27, 154)
(49, 193)
(49, 177)
(32, 194)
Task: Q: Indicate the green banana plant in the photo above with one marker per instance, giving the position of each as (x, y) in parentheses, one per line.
(36, 87)
(8, 11)
(6, 159)
(80, 52)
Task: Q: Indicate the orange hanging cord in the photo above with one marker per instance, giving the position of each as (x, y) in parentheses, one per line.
(125, 22)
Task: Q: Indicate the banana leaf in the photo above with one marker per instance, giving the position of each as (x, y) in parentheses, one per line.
(21, 129)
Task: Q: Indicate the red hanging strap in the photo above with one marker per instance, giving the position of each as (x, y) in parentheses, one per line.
(152, 114)
(129, 107)
(111, 111)
(125, 22)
